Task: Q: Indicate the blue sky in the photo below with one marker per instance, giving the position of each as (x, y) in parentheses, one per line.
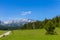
(31, 9)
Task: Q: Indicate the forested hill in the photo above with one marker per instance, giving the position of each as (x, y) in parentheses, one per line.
(42, 24)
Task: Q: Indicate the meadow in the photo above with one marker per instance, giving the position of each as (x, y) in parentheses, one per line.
(2, 31)
(36, 34)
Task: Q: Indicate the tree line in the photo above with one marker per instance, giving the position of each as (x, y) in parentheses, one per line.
(41, 24)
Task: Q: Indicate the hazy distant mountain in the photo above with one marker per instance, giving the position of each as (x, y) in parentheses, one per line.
(17, 22)
(14, 24)
(1, 22)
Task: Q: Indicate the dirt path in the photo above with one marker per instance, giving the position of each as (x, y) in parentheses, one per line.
(5, 34)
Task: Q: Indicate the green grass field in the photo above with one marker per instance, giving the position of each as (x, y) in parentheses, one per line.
(1, 32)
(37, 34)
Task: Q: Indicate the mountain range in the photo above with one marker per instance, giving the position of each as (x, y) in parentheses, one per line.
(15, 23)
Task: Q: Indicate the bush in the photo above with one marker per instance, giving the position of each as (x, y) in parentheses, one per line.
(50, 28)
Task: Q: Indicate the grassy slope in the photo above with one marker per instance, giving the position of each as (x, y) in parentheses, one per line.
(38, 34)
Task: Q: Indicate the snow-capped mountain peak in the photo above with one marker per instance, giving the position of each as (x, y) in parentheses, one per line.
(18, 21)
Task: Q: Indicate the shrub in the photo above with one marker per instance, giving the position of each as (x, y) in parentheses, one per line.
(50, 28)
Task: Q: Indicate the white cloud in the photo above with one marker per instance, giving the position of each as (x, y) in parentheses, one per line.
(26, 12)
